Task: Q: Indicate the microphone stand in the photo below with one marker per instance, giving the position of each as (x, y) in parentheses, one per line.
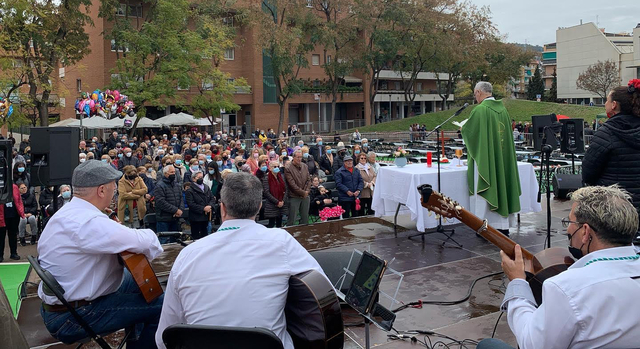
(440, 228)
(546, 160)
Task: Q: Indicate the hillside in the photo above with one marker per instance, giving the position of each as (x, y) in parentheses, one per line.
(520, 110)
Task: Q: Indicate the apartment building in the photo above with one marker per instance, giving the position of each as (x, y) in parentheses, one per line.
(549, 64)
(581, 46)
(310, 110)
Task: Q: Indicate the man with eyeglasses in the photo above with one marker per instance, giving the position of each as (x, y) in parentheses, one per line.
(594, 303)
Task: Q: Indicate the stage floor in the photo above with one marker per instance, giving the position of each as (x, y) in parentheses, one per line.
(434, 272)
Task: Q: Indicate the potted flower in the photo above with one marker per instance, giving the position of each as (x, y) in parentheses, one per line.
(331, 213)
(401, 157)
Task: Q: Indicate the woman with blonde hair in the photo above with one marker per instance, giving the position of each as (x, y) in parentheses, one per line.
(131, 192)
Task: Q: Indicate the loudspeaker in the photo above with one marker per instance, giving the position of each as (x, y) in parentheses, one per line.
(539, 123)
(572, 136)
(54, 154)
(563, 184)
(6, 172)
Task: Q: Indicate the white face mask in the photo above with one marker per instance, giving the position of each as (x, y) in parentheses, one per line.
(83, 160)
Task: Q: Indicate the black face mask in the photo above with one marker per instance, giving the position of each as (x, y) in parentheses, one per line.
(199, 181)
(171, 178)
(112, 157)
(577, 252)
(132, 177)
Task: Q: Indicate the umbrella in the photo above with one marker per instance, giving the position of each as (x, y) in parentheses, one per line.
(180, 119)
(561, 117)
(66, 123)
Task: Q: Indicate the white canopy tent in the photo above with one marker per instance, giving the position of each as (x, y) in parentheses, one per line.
(182, 119)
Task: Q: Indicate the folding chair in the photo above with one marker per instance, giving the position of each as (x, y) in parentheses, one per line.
(219, 337)
(52, 287)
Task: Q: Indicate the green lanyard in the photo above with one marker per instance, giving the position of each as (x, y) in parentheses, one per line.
(628, 258)
(227, 228)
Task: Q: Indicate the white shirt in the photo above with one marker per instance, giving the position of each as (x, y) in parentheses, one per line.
(237, 277)
(79, 248)
(588, 306)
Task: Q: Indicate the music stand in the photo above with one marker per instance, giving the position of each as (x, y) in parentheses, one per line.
(439, 229)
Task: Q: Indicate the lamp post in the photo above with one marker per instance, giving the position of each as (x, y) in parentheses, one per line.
(390, 112)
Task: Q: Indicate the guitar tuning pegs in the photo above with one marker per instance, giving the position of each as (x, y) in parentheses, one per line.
(437, 216)
(458, 207)
(430, 213)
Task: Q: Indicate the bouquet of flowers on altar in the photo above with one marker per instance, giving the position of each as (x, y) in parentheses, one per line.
(399, 153)
(330, 212)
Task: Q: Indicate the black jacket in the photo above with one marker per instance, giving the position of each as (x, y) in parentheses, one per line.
(197, 200)
(613, 156)
(46, 196)
(124, 161)
(30, 203)
(168, 199)
(325, 164)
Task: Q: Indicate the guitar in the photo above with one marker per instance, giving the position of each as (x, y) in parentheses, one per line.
(538, 268)
(143, 274)
(314, 318)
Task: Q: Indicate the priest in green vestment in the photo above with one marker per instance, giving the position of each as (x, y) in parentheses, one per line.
(489, 140)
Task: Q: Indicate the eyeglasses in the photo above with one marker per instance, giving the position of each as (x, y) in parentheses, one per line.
(566, 221)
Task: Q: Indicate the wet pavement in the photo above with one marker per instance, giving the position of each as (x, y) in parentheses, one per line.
(432, 272)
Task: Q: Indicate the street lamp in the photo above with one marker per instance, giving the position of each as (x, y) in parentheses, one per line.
(390, 113)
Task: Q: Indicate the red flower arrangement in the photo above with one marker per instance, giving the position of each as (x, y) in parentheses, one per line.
(330, 212)
(358, 205)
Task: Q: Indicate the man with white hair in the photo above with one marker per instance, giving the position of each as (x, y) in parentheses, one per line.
(493, 171)
(79, 247)
(318, 150)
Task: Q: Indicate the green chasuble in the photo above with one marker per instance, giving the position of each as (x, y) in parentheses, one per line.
(489, 140)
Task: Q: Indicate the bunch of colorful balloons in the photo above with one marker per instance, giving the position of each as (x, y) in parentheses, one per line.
(6, 109)
(107, 104)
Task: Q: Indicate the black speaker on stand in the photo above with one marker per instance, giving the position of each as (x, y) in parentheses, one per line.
(54, 155)
(541, 125)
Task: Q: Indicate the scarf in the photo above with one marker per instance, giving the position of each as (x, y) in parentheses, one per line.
(276, 186)
(364, 167)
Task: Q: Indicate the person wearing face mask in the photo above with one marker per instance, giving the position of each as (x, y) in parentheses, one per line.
(192, 150)
(181, 169)
(299, 183)
(168, 199)
(128, 159)
(151, 173)
(148, 182)
(20, 175)
(82, 157)
(326, 161)
(79, 247)
(113, 155)
(30, 205)
(213, 180)
(10, 215)
(338, 161)
(131, 195)
(112, 141)
(65, 196)
(594, 303)
(201, 202)
(310, 161)
(317, 150)
(365, 146)
(252, 161)
(226, 162)
(262, 136)
(274, 192)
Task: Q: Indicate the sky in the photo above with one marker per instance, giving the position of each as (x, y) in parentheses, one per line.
(537, 21)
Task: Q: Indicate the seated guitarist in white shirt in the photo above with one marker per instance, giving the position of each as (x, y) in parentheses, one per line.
(80, 247)
(238, 276)
(594, 304)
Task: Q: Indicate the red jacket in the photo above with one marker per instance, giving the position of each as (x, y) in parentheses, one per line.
(17, 200)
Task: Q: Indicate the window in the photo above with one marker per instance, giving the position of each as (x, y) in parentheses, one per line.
(207, 85)
(134, 10)
(329, 59)
(310, 3)
(397, 85)
(229, 54)
(315, 59)
(316, 83)
(228, 21)
(79, 84)
(120, 49)
(384, 85)
(17, 63)
(231, 80)
(63, 102)
(419, 86)
(183, 87)
(61, 73)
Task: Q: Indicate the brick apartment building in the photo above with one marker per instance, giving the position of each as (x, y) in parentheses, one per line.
(258, 105)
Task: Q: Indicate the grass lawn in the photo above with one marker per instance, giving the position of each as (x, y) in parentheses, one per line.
(520, 110)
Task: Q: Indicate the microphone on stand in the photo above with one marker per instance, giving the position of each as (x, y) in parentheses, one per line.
(461, 109)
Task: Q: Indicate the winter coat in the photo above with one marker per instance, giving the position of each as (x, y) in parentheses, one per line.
(326, 164)
(338, 163)
(46, 196)
(30, 203)
(348, 181)
(297, 180)
(368, 176)
(17, 202)
(613, 156)
(196, 200)
(168, 199)
(311, 165)
(124, 161)
(127, 194)
(271, 209)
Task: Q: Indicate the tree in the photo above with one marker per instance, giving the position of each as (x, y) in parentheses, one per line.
(502, 61)
(338, 34)
(599, 78)
(536, 85)
(44, 35)
(553, 91)
(378, 21)
(464, 28)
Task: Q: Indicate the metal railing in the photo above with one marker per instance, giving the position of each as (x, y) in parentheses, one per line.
(323, 126)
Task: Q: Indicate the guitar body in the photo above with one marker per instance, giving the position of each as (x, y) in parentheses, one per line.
(546, 264)
(314, 318)
(143, 274)
(539, 268)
